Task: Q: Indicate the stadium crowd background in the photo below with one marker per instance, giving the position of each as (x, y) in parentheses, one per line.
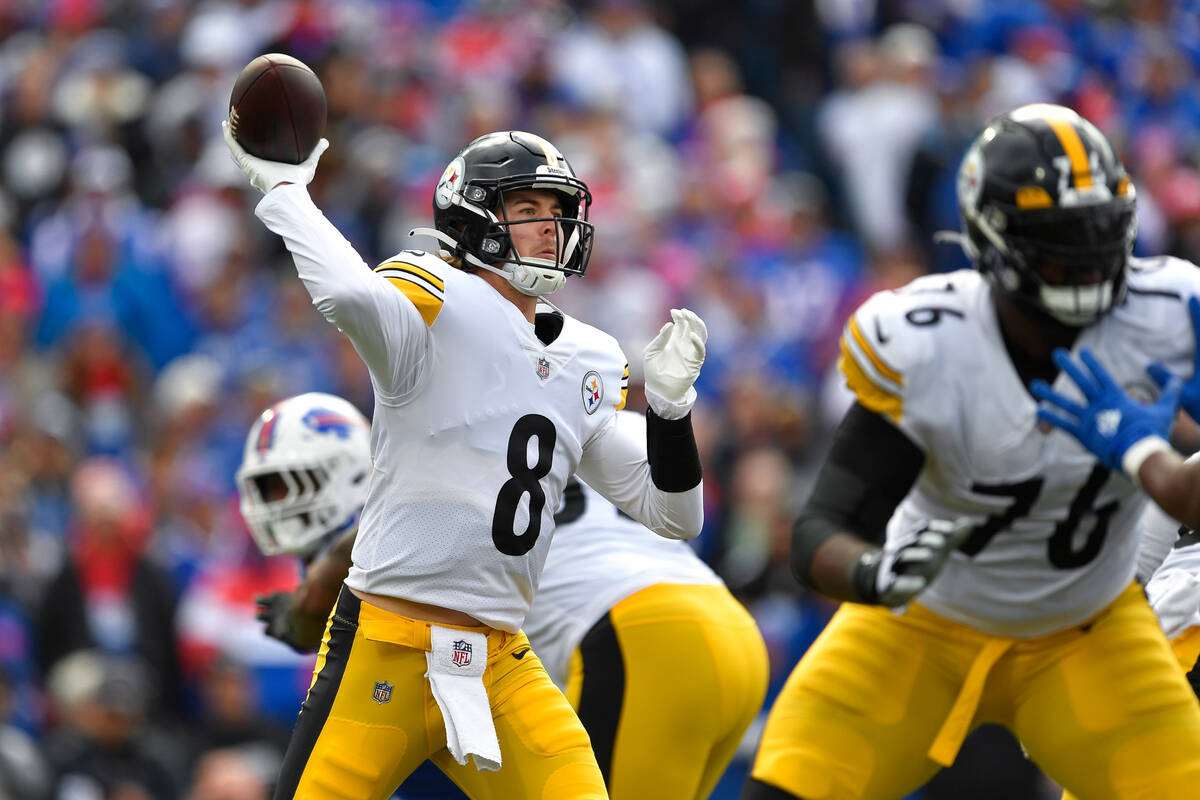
(766, 163)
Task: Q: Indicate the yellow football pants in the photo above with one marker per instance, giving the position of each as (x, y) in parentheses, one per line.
(370, 718)
(881, 701)
(1187, 650)
(666, 683)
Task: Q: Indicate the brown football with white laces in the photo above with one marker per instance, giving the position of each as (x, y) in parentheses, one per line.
(277, 109)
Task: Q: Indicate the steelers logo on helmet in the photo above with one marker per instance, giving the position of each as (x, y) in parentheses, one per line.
(448, 185)
(469, 203)
(1048, 212)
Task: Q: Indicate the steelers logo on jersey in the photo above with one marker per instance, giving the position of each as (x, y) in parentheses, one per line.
(593, 391)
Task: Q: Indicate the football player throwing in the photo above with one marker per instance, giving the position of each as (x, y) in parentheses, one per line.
(486, 401)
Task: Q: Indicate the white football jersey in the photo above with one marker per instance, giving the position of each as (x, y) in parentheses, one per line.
(478, 423)
(1058, 537)
(1169, 564)
(599, 557)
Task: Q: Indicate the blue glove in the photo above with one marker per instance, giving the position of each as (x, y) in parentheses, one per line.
(1190, 398)
(1112, 423)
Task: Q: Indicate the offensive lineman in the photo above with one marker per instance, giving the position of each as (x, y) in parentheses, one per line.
(484, 408)
(1029, 618)
(616, 607)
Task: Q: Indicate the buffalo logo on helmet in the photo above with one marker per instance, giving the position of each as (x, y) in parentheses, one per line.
(593, 391)
(461, 657)
(322, 420)
(383, 692)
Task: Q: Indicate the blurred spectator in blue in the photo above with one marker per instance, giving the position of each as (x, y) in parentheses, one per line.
(197, 438)
(808, 277)
(108, 593)
(100, 258)
(1161, 90)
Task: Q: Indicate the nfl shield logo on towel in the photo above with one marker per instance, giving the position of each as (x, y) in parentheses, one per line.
(462, 653)
(383, 692)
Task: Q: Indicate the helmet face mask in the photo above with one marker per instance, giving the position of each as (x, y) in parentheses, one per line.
(1048, 213)
(470, 200)
(304, 473)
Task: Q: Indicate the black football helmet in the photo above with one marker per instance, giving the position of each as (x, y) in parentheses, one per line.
(470, 195)
(1048, 212)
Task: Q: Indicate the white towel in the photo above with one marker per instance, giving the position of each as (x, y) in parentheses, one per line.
(1175, 596)
(456, 662)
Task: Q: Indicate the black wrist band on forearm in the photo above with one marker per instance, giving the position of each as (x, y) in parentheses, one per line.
(863, 577)
(672, 453)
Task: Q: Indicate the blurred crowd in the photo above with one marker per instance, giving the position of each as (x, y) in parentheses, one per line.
(766, 163)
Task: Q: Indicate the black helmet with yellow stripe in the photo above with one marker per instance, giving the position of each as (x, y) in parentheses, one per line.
(1048, 212)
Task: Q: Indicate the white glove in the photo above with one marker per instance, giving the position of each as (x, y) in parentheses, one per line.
(893, 577)
(266, 175)
(671, 363)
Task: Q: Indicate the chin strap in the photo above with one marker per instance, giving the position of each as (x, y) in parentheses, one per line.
(525, 279)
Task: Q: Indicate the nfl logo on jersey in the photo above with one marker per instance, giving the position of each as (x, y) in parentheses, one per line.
(462, 653)
(543, 368)
(383, 692)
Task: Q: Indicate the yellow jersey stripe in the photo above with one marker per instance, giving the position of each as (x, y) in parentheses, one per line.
(404, 266)
(428, 304)
(1072, 145)
(869, 393)
(880, 364)
(624, 397)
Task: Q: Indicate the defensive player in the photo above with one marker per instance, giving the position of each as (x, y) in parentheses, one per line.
(301, 487)
(483, 408)
(1004, 591)
(617, 606)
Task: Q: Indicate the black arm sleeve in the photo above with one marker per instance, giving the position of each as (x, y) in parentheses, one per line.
(868, 471)
(672, 453)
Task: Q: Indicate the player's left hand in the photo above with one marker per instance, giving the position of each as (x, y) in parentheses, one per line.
(276, 611)
(671, 363)
(266, 175)
(1190, 397)
(1118, 430)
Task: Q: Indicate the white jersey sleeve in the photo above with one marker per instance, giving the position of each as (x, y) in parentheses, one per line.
(614, 464)
(1174, 589)
(389, 328)
(886, 365)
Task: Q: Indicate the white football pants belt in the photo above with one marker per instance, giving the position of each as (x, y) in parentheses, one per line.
(456, 661)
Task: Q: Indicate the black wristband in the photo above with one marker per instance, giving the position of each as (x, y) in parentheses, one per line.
(672, 453)
(865, 571)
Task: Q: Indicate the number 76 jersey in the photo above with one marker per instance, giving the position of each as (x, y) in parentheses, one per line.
(1057, 537)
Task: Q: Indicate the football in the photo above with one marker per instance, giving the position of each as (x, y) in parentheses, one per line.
(277, 109)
